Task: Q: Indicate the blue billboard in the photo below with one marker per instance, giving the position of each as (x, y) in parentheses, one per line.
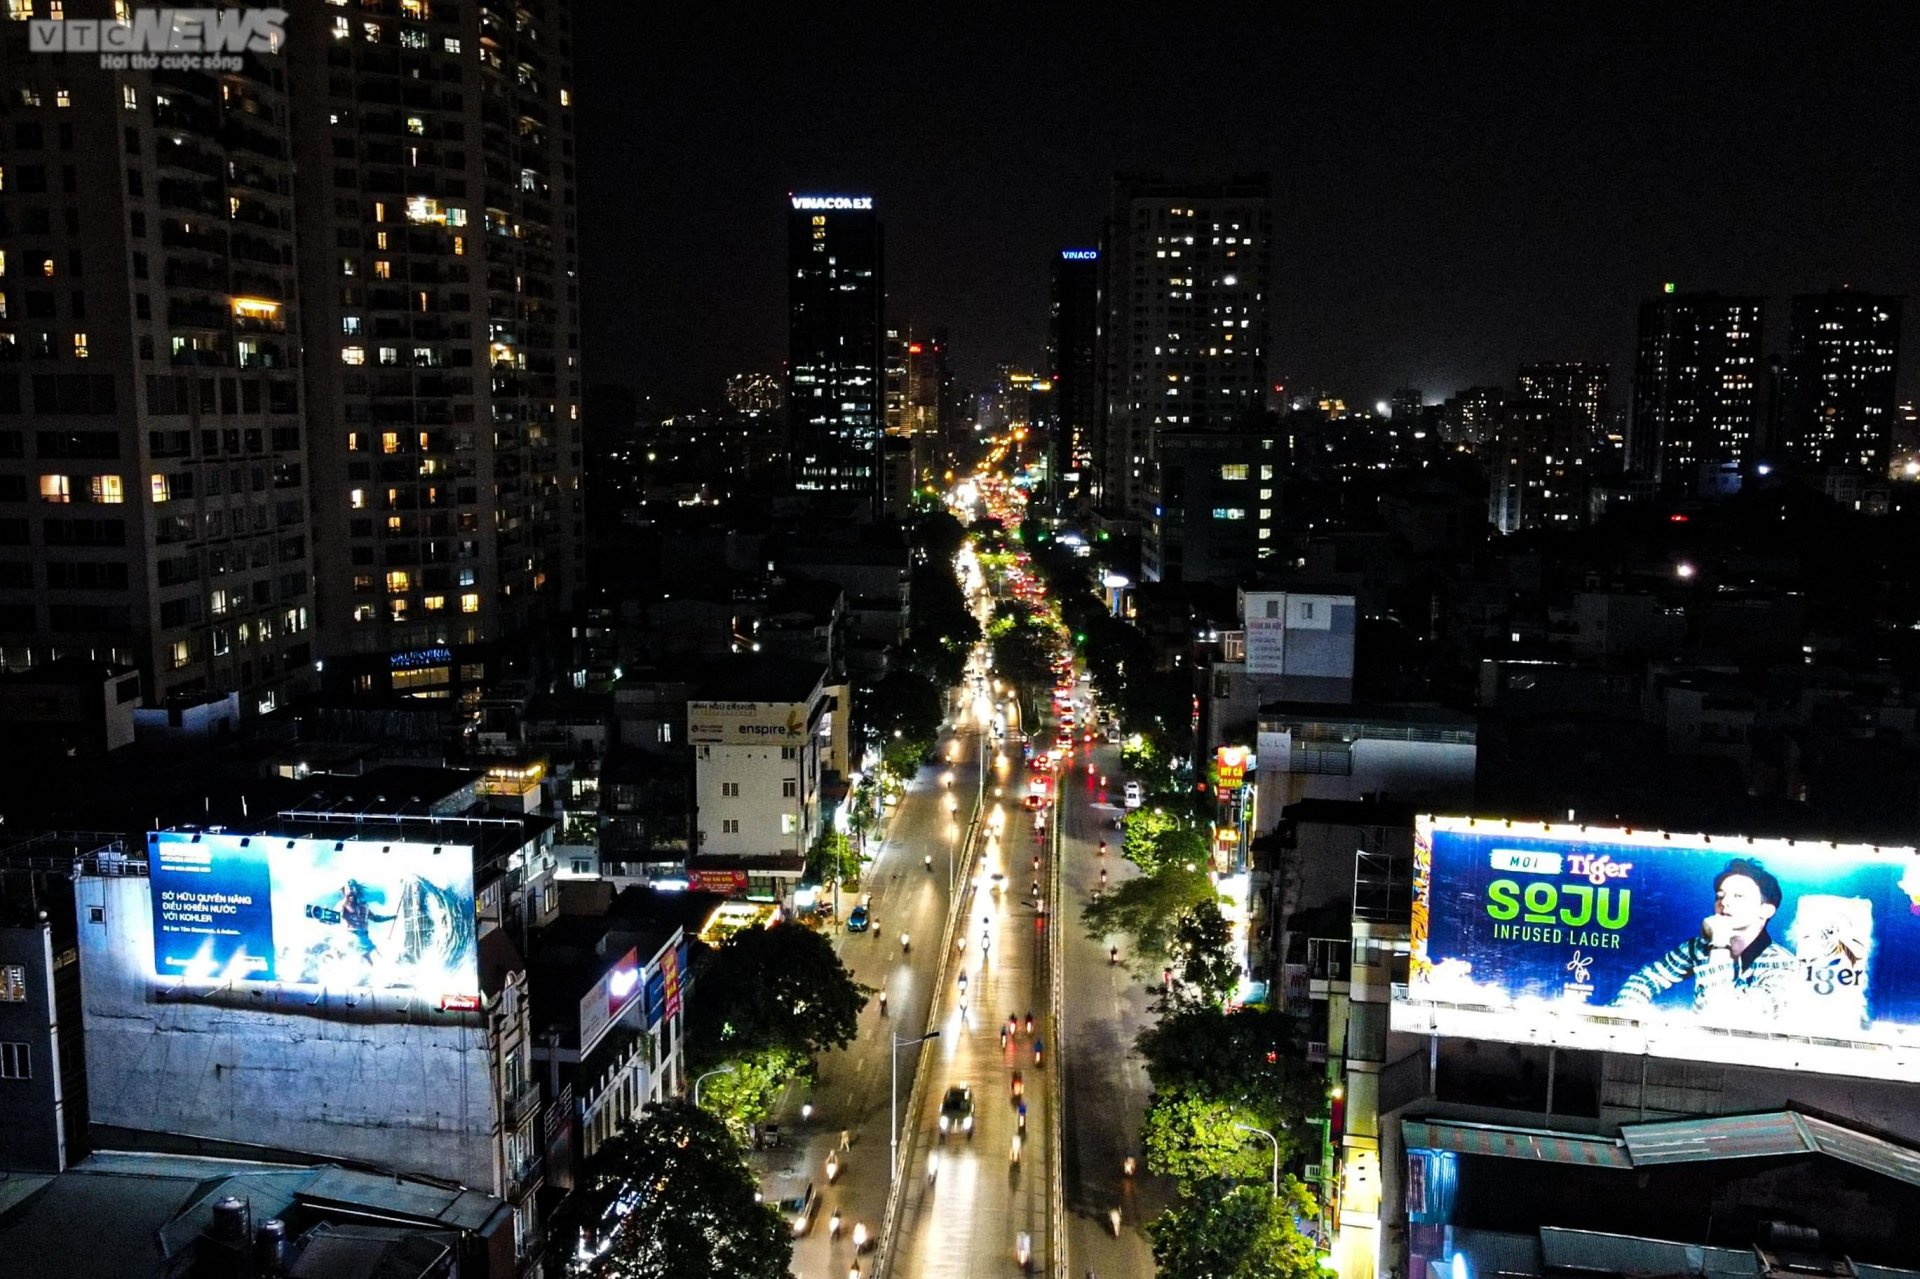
(326, 914)
(1562, 929)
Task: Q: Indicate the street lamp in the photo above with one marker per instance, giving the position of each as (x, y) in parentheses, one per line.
(1276, 1153)
(727, 1069)
(893, 1097)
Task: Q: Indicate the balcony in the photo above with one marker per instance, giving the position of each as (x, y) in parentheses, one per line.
(523, 1106)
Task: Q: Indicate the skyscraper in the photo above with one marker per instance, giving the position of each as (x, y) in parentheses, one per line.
(441, 302)
(1696, 385)
(153, 466)
(836, 296)
(1576, 390)
(1186, 282)
(1073, 330)
(1837, 400)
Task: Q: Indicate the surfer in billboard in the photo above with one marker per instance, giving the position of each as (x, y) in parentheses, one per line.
(1740, 973)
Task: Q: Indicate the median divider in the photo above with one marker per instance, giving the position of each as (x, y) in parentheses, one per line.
(1056, 1085)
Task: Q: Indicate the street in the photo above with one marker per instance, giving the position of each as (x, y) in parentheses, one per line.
(852, 1092)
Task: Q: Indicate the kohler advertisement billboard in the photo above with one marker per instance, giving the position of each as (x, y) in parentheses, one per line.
(309, 995)
(1766, 952)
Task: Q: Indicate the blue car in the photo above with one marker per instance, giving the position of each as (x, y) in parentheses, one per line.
(857, 920)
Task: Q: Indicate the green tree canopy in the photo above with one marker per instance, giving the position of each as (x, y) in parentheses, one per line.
(693, 1209)
(1241, 1233)
(779, 987)
(744, 1096)
(1202, 953)
(1157, 839)
(1247, 1058)
(1147, 910)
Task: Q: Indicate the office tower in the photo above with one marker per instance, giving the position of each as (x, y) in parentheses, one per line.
(1696, 386)
(437, 245)
(894, 414)
(1572, 389)
(1218, 505)
(836, 294)
(1073, 331)
(1405, 408)
(1538, 465)
(1837, 388)
(153, 477)
(1186, 287)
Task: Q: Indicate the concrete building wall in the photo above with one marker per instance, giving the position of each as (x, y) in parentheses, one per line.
(415, 1096)
(1439, 773)
(741, 795)
(33, 1135)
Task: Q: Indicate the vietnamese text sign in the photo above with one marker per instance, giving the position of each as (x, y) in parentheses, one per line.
(738, 723)
(1723, 936)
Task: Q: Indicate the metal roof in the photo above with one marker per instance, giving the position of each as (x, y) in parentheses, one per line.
(1516, 1143)
(1627, 1255)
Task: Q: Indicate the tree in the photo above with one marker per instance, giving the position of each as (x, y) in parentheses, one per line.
(833, 856)
(1242, 1233)
(1202, 953)
(1247, 1058)
(1193, 1139)
(1157, 840)
(693, 1209)
(779, 987)
(1147, 910)
(744, 1096)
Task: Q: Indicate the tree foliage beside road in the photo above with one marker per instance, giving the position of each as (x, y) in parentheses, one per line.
(1148, 910)
(778, 987)
(692, 1203)
(1193, 1139)
(1239, 1233)
(1248, 1058)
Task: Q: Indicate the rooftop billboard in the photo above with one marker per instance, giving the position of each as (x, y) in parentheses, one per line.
(1778, 953)
(310, 913)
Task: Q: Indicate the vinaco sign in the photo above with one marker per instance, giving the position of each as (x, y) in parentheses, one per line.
(1777, 953)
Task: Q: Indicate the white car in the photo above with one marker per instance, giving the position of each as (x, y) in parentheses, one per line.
(1135, 794)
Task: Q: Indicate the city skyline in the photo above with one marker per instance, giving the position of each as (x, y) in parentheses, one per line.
(1452, 199)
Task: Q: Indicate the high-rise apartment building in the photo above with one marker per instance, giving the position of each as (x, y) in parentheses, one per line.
(1186, 287)
(153, 467)
(1696, 386)
(439, 257)
(1073, 367)
(836, 298)
(1576, 390)
(894, 412)
(1837, 393)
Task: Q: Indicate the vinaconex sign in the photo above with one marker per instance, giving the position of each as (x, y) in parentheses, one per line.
(1777, 953)
(833, 202)
(1080, 255)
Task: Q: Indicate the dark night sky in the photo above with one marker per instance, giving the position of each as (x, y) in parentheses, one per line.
(1455, 194)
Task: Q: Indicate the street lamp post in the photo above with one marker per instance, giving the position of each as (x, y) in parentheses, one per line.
(727, 1069)
(893, 1097)
(1276, 1153)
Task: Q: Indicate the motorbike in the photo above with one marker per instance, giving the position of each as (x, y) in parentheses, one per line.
(1023, 1250)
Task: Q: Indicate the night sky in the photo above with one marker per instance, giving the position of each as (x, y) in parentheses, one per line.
(1455, 195)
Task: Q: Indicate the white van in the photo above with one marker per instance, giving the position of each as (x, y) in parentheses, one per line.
(1135, 794)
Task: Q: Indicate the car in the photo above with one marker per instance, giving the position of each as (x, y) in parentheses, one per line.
(956, 1111)
(1034, 803)
(857, 920)
(1136, 794)
(798, 1207)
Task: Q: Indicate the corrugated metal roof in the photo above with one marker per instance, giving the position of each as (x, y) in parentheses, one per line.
(1724, 1137)
(1625, 1254)
(1516, 1143)
(1863, 1151)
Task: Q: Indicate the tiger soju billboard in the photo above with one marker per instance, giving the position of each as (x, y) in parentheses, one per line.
(1795, 955)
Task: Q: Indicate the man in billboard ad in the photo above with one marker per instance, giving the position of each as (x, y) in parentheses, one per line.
(1708, 934)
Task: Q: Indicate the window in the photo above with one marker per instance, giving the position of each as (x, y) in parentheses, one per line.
(1229, 512)
(789, 752)
(382, 269)
(353, 355)
(14, 1061)
(1234, 471)
(79, 346)
(398, 581)
(435, 603)
(56, 488)
(13, 984)
(130, 98)
(729, 790)
(789, 823)
(181, 654)
(62, 98)
(731, 826)
(350, 325)
(107, 488)
(470, 603)
(789, 789)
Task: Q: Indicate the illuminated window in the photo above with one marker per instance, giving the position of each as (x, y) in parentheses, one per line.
(357, 499)
(222, 641)
(382, 269)
(398, 580)
(363, 612)
(62, 98)
(107, 488)
(162, 490)
(182, 653)
(459, 246)
(470, 603)
(20, 10)
(452, 44)
(390, 441)
(379, 210)
(353, 355)
(218, 603)
(566, 97)
(342, 29)
(348, 266)
(395, 524)
(56, 488)
(79, 346)
(435, 603)
(372, 31)
(350, 325)
(130, 97)
(456, 216)
(416, 125)
(46, 267)
(380, 240)
(1234, 471)
(1229, 512)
